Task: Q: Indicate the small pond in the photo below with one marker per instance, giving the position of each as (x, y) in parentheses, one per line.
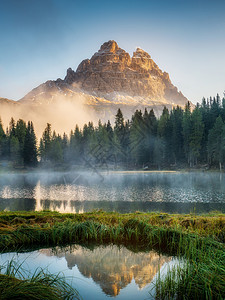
(100, 272)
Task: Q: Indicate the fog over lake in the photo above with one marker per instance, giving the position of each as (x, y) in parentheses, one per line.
(121, 191)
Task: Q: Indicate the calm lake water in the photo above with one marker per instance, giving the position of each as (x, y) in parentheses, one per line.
(173, 192)
(101, 272)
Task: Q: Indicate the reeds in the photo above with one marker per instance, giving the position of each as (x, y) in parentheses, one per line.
(189, 237)
(14, 284)
(196, 279)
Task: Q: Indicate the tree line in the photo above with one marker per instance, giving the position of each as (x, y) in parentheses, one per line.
(178, 138)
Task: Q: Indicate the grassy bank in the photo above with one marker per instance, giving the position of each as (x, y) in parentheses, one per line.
(199, 239)
(41, 285)
(14, 224)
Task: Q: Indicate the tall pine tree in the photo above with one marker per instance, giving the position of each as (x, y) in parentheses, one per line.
(30, 147)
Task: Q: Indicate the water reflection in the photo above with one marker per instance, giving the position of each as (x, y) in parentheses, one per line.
(111, 268)
(120, 191)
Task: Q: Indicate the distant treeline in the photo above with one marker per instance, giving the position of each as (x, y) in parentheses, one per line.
(178, 138)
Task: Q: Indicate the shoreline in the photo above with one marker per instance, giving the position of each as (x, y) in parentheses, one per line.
(209, 225)
(4, 171)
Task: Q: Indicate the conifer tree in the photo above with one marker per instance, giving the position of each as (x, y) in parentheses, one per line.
(30, 147)
(164, 133)
(2, 133)
(186, 130)
(20, 133)
(216, 143)
(137, 138)
(12, 128)
(46, 142)
(75, 145)
(196, 136)
(176, 136)
(14, 149)
(119, 131)
(2, 138)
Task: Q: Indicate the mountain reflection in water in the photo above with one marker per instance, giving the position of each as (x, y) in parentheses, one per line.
(112, 267)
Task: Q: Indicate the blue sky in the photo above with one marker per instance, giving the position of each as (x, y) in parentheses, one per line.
(40, 39)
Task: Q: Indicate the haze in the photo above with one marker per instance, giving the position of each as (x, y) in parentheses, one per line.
(64, 115)
(41, 39)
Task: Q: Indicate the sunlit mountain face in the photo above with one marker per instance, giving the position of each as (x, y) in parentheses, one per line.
(111, 79)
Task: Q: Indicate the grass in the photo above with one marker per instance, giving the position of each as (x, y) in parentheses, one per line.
(208, 225)
(198, 239)
(41, 285)
(201, 277)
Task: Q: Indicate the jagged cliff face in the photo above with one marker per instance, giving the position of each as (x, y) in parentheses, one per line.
(111, 72)
(111, 79)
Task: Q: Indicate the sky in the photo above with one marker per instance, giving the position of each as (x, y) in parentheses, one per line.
(40, 39)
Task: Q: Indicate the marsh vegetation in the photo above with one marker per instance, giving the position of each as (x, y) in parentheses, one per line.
(197, 239)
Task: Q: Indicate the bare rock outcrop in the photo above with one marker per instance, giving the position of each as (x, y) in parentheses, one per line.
(109, 80)
(112, 70)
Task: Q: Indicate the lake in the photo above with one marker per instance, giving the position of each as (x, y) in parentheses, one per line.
(128, 191)
(99, 272)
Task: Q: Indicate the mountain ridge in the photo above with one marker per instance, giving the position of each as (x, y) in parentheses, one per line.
(109, 80)
(112, 74)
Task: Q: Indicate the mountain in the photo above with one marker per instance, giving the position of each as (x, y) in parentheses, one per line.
(112, 74)
(9, 108)
(111, 79)
(5, 101)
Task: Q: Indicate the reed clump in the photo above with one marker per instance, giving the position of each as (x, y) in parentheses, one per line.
(202, 276)
(16, 284)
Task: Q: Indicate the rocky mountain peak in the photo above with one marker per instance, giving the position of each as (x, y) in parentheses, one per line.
(111, 69)
(70, 75)
(112, 79)
(139, 53)
(110, 46)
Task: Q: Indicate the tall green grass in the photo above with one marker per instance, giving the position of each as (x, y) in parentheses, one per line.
(201, 277)
(41, 285)
(132, 231)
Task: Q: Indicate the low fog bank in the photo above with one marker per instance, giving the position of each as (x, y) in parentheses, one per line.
(83, 191)
(80, 176)
(62, 112)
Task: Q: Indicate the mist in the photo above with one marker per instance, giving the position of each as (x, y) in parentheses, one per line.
(62, 112)
(122, 191)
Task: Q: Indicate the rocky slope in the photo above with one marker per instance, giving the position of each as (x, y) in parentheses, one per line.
(111, 79)
(112, 72)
